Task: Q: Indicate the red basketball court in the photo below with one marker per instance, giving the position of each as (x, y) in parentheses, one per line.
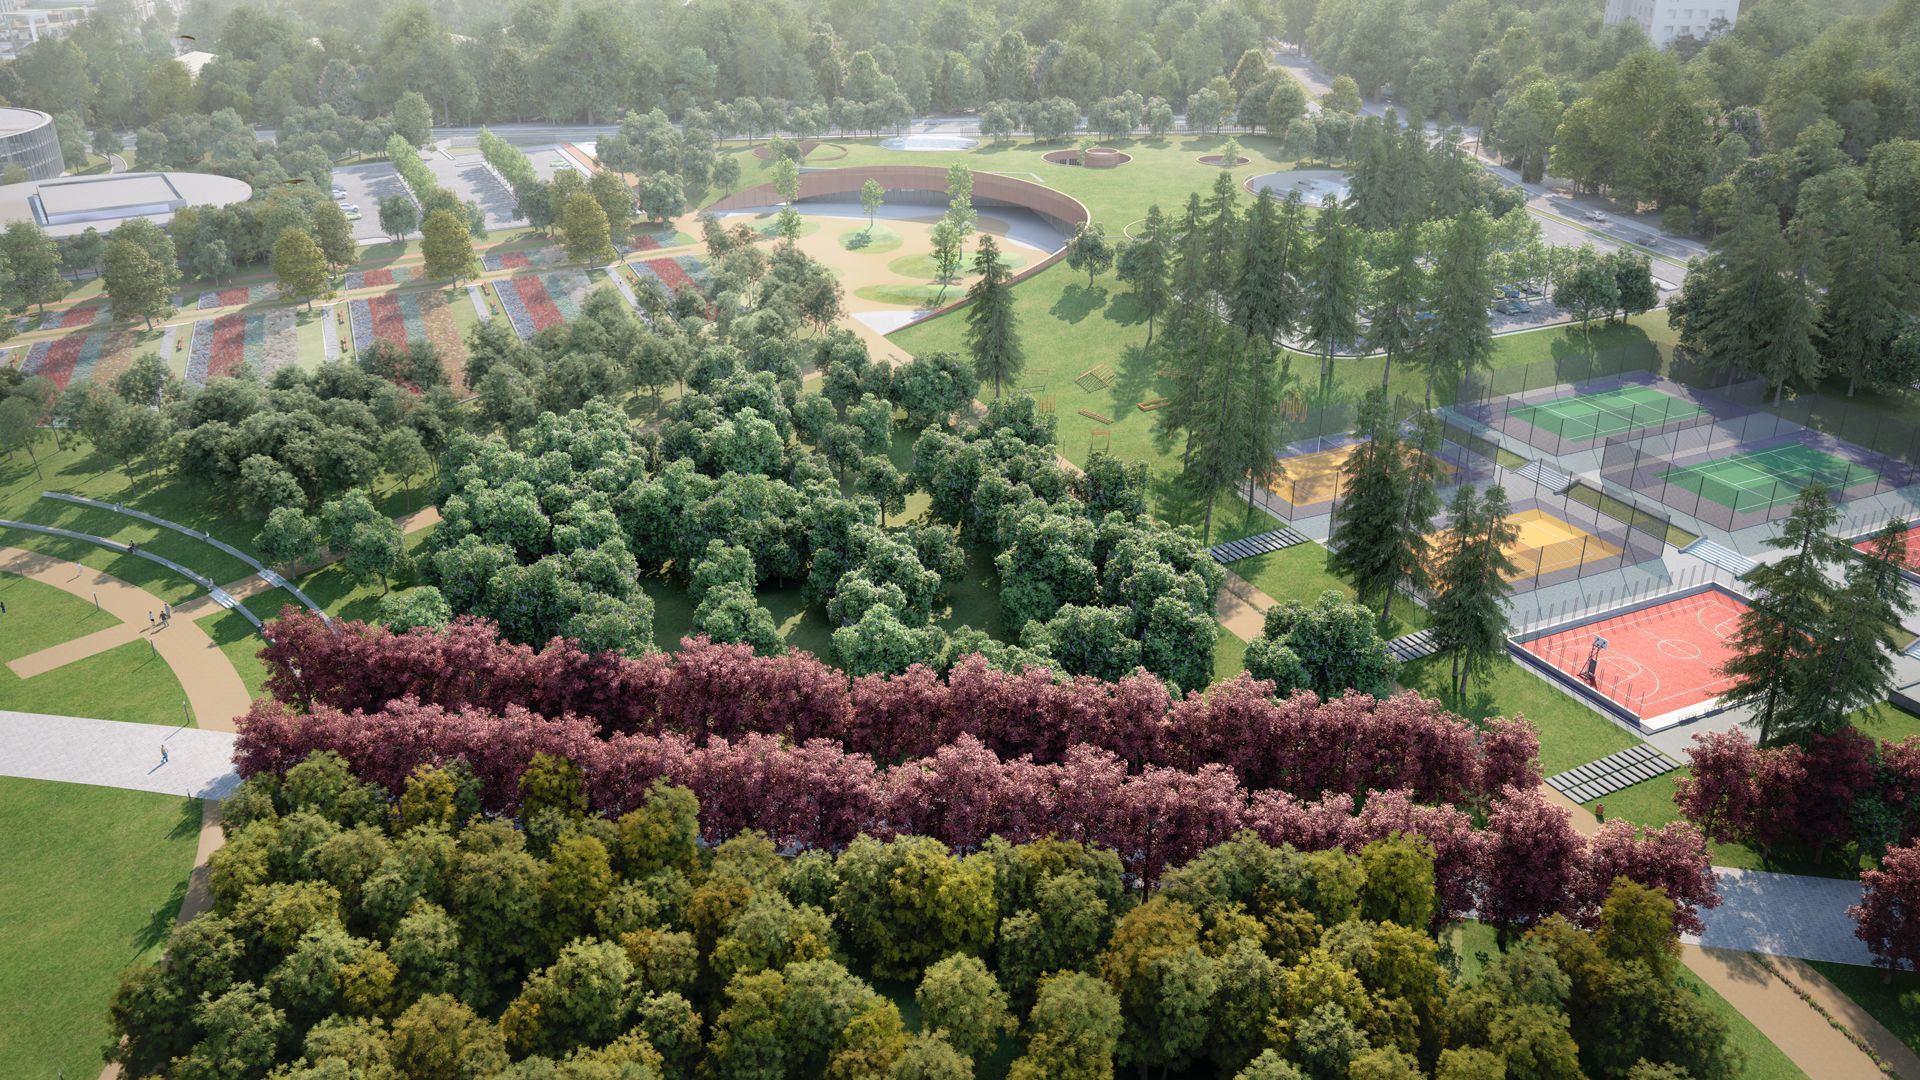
(1912, 562)
(1661, 663)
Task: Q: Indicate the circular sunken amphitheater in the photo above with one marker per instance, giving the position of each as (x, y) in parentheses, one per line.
(1220, 160)
(28, 139)
(1096, 157)
(917, 184)
(1315, 186)
(817, 151)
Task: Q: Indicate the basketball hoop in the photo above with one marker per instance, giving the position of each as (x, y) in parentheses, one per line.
(1592, 674)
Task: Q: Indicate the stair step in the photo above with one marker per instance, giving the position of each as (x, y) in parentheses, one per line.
(1720, 555)
(1413, 646)
(1546, 476)
(1248, 546)
(1604, 776)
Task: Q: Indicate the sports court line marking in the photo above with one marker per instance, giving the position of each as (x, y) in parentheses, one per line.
(1565, 652)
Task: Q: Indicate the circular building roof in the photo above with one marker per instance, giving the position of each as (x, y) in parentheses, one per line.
(15, 121)
(69, 205)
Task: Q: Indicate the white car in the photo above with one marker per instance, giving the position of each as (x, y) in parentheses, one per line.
(339, 193)
(350, 208)
(1597, 216)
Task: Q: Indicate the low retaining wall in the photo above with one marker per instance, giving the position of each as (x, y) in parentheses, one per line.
(1061, 210)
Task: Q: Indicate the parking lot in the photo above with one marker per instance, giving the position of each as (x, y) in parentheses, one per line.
(469, 179)
(365, 186)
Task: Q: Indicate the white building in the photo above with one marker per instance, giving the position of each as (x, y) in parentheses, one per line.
(1664, 20)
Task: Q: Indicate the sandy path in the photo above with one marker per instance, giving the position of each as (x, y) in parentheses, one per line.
(1791, 1024)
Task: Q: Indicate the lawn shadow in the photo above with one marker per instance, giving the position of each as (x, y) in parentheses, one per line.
(1078, 301)
(1137, 381)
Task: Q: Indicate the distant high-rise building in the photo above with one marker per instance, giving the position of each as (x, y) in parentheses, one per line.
(1664, 20)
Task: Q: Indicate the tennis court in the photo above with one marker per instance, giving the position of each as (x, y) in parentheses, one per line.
(1597, 416)
(1763, 479)
(1661, 663)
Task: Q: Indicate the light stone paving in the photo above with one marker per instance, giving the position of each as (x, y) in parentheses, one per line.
(110, 753)
(479, 300)
(330, 333)
(1784, 915)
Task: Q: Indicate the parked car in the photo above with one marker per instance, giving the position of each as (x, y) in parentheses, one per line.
(339, 193)
(350, 208)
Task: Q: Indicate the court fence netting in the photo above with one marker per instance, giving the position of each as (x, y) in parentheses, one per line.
(1562, 537)
(1749, 471)
(1537, 405)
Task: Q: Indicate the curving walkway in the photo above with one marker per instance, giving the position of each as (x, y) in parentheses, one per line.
(214, 690)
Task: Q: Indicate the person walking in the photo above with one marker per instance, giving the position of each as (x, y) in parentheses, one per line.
(163, 754)
(150, 622)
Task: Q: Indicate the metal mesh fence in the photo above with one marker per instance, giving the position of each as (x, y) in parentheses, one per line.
(1560, 419)
(1746, 472)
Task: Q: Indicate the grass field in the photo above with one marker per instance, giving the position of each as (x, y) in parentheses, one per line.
(40, 615)
(130, 683)
(1894, 1002)
(1570, 733)
(94, 879)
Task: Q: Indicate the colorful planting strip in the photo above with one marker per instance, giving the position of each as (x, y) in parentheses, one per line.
(78, 357)
(675, 272)
(392, 275)
(521, 260)
(75, 317)
(266, 340)
(238, 294)
(436, 312)
(534, 302)
(516, 311)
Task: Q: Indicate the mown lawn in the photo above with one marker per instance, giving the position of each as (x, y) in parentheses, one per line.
(78, 470)
(1570, 733)
(94, 877)
(40, 615)
(1893, 1001)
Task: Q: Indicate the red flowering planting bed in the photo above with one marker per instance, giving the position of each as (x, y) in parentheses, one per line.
(389, 322)
(376, 277)
(670, 274)
(230, 297)
(514, 260)
(229, 344)
(540, 306)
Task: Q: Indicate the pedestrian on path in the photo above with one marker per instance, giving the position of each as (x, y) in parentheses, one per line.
(163, 754)
(150, 620)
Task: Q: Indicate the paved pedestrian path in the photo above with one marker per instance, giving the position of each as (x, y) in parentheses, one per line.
(329, 334)
(1784, 915)
(112, 753)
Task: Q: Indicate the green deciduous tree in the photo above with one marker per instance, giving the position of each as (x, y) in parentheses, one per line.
(399, 215)
(960, 1002)
(1329, 648)
(583, 229)
(446, 247)
(300, 267)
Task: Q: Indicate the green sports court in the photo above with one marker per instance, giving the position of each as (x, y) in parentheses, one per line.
(1773, 476)
(1613, 412)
